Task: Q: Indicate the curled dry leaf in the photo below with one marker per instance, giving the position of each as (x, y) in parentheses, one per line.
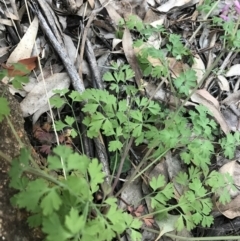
(130, 55)
(91, 3)
(199, 67)
(37, 97)
(39, 112)
(223, 83)
(115, 42)
(6, 22)
(207, 96)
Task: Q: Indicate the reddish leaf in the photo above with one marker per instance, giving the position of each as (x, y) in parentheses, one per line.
(130, 209)
(45, 149)
(43, 136)
(137, 212)
(149, 221)
(29, 64)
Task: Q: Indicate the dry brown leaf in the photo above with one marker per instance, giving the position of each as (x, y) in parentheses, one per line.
(115, 42)
(149, 221)
(130, 55)
(25, 46)
(198, 67)
(29, 64)
(230, 210)
(206, 95)
(177, 67)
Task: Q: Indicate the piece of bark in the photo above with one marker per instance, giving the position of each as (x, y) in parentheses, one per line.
(13, 222)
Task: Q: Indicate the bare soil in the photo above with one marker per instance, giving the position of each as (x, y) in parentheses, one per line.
(13, 225)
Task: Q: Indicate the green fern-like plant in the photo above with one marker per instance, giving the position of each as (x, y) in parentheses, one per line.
(65, 207)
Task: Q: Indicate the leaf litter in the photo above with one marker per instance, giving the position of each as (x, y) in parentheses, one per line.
(218, 92)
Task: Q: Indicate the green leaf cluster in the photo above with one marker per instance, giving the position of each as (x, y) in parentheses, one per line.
(185, 82)
(176, 47)
(64, 206)
(229, 144)
(194, 204)
(61, 198)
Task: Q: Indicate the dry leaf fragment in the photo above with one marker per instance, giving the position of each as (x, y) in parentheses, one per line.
(233, 71)
(232, 98)
(176, 4)
(198, 67)
(223, 83)
(230, 210)
(37, 97)
(42, 135)
(149, 221)
(130, 55)
(28, 63)
(137, 212)
(25, 46)
(91, 3)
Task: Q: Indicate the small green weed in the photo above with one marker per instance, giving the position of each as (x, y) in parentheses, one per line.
(61, 198)
(65, 208)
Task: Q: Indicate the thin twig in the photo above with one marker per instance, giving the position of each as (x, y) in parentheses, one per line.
(124, 155)
(84, 36)
(93, 64)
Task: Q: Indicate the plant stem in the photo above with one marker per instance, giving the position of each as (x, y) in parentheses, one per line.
(19, 141)
(126, 150)
(132, 177)
(6, 157)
